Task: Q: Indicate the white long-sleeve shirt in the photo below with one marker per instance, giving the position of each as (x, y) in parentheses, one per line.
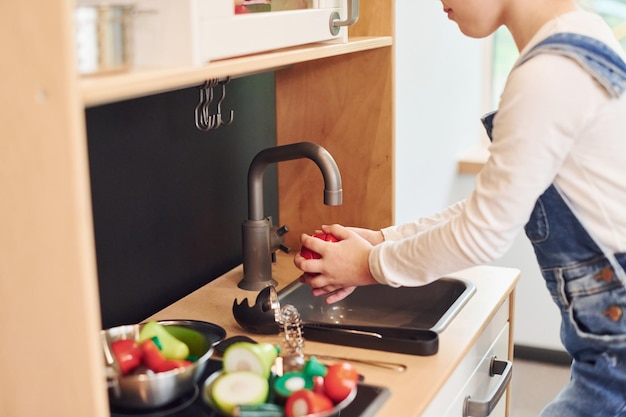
(555, 123)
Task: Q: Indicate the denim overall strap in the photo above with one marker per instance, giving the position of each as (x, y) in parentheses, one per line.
(579, 273)
(604, 64)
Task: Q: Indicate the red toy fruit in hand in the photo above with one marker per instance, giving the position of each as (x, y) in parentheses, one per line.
(309, 254)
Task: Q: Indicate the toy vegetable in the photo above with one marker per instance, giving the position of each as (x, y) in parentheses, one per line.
(171, 347)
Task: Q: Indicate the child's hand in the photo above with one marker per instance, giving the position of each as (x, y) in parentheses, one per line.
(342, 265)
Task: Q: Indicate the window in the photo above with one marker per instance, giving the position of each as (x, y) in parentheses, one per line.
(505, 52)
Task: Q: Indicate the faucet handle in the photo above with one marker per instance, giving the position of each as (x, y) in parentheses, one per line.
(280, 232)
(282, 247)
(278, 242)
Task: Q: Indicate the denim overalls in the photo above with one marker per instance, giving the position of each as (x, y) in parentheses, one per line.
(587, 282)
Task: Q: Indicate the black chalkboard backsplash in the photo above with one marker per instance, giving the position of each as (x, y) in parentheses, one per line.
(169, 199)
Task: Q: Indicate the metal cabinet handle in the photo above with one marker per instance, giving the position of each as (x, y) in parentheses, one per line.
(353, 16)
(477, 408)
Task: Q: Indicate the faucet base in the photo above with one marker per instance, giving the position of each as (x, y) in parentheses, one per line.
(256, 285)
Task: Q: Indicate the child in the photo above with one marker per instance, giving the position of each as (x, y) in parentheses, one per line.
(557, 168)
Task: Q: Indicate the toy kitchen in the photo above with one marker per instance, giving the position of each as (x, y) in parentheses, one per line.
(120, 231)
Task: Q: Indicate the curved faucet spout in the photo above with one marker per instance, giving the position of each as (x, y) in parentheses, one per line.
(333, 194)
(260, 238)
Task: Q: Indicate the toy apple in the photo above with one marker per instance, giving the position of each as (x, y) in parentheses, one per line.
(309, 254)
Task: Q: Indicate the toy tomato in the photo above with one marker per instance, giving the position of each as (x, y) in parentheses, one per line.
(309, 254)
(305, 402)
(340, 380)
(127, 354)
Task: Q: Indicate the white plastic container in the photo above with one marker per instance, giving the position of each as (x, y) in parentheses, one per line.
(103, 38)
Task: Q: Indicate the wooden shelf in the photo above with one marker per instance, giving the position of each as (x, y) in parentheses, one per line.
(472, 162)
(103, 89)
(469, 166)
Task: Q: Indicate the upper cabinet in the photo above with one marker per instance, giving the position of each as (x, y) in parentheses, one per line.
(170, 44)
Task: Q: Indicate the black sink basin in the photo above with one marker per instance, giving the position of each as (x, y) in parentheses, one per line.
(430, 307)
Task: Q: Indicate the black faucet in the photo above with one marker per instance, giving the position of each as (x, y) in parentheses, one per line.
(259, 237)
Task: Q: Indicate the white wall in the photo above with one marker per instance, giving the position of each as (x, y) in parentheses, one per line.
(438, 104)
(440, 96)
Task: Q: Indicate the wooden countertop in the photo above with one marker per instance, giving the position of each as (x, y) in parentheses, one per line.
(425, 375)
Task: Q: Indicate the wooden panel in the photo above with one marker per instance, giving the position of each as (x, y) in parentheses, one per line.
(345, 105)
(51, 360)
(376, 19)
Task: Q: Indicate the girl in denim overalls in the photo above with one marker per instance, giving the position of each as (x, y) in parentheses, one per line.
(586, 281)
(557, 168)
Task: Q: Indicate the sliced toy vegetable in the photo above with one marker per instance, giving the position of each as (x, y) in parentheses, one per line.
(305, 402)
(239, 388)
(260, 410)
(253, 357)
(287, 384)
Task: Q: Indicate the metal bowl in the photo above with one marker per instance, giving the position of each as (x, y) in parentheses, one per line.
(151, 390)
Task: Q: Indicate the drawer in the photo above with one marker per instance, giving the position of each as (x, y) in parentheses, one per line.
(483, 383)
(496, 333)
